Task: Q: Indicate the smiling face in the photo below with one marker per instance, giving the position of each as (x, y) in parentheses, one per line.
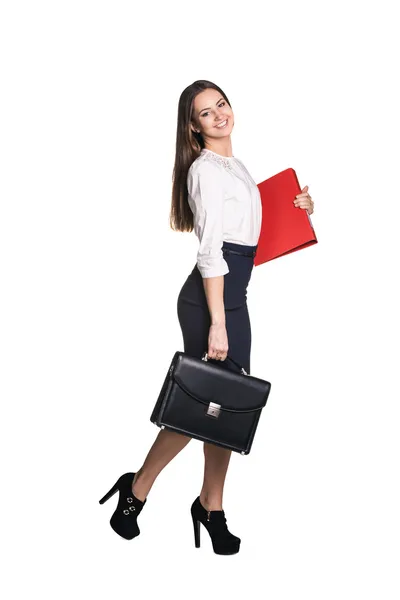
(212, 115)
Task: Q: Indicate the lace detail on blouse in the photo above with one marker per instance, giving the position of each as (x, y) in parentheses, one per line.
(221, 160)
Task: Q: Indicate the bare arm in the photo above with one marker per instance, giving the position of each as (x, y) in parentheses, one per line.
(217, 338)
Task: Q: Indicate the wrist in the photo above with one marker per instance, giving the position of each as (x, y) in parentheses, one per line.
(218, 322)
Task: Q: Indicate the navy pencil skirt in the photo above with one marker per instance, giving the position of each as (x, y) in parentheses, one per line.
(194, 316)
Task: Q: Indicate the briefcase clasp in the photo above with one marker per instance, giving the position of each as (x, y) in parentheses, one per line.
(214, 410)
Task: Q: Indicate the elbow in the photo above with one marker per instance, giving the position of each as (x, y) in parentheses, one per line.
(212, 266)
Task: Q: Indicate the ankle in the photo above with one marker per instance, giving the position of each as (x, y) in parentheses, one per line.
(209, 502)
(141, 485)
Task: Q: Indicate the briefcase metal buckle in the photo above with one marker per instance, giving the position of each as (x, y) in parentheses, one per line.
(214, 410)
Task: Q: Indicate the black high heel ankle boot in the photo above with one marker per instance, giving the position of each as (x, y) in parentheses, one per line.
(223, 541)
(124, 519)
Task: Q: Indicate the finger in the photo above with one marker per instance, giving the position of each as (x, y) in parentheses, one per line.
(301, 200)
(303, 204)
(305, 188)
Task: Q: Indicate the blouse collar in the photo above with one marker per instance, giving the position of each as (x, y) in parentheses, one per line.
(224, 160)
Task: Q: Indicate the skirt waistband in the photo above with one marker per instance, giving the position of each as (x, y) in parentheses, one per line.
(240, 249)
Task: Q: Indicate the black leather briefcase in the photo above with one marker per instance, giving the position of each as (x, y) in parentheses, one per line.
(211, 403)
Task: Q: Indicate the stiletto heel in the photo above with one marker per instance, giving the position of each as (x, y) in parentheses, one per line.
(196, 527)
(109, 493)
(124, 518)
(223, 541)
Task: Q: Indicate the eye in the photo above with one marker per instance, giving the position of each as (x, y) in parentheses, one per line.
(222, 103)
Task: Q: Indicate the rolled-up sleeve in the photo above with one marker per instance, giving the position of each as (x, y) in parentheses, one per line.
(206, 199)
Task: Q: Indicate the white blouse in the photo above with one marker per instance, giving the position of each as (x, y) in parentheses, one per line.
(226, 206)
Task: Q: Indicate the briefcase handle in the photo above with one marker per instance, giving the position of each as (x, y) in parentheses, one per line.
(205, 357)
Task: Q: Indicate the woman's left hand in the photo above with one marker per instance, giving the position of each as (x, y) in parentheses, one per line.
(304, 200)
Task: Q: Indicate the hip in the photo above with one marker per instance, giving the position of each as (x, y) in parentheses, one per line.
(240, 261)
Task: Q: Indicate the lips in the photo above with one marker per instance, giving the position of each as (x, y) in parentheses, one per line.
(222, 125)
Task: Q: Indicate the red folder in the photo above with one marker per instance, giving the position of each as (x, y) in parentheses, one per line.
(285, 227)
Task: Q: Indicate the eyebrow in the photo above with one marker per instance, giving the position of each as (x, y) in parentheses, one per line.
(209, 107)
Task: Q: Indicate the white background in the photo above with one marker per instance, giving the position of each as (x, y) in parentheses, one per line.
(90, 274)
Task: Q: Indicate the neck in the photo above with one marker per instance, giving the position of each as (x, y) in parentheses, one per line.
(223, 146)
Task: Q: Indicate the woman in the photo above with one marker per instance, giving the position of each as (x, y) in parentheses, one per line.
(214, 194)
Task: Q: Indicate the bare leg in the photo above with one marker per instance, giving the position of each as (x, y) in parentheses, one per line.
(216, 461)
(166, 446)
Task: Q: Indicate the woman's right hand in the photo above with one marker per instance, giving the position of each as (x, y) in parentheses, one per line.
(218, 342)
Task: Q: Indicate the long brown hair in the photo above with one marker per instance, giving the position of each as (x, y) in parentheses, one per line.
(188, 147)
